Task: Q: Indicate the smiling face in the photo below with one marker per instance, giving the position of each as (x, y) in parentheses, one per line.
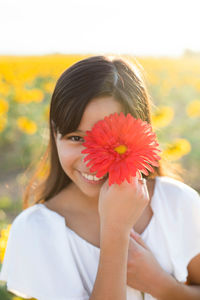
(70, 146)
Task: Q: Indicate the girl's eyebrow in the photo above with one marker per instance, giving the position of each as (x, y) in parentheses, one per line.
(79, 130)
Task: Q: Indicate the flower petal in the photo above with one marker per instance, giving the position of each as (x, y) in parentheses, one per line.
(117, 131)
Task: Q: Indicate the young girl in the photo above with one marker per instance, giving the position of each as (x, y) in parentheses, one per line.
(83, 239)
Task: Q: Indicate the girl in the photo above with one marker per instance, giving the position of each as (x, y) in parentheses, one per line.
(83, 239)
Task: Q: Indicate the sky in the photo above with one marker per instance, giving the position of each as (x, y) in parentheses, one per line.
(142, 27)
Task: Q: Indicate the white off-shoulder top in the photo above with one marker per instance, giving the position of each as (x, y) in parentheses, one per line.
(46, 260)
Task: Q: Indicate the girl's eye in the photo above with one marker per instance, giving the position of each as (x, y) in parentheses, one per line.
(76, 138)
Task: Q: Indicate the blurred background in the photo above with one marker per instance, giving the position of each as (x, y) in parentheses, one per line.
(40, 39)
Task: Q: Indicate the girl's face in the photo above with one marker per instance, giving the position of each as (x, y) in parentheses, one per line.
(70, 146)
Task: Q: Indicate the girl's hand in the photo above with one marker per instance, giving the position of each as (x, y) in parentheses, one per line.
(144, 273)
(121, 205)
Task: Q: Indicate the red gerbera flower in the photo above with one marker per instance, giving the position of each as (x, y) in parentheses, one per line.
(121, 146)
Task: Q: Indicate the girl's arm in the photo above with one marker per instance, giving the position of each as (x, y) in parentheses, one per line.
(171, 289)
(110, 283)
(174, 290)
(146, 274)
(119, 208)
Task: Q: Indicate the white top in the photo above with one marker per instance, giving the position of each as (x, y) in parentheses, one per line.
(46, 260)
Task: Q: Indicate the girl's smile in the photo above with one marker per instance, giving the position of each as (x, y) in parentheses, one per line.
(92, 179)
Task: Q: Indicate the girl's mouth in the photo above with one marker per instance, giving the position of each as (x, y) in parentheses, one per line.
(93, 179)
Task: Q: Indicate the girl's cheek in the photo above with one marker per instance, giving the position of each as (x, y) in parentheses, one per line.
(63, 148)
(68, 153)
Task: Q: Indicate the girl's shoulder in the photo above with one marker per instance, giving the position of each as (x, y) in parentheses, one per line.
(176, 194)
(177, 208)
(35, 219)
(175, 186)
(27, 215)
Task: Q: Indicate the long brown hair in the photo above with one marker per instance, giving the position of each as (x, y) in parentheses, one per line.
(85, 80)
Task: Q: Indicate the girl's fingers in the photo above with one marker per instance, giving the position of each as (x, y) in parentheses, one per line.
(144, 186)
(138, 239)
(142, 181)
(140, 185)
(133, 180)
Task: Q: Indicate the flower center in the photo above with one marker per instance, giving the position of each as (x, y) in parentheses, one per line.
(121, 149)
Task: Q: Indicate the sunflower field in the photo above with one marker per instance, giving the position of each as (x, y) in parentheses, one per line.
(26, 86)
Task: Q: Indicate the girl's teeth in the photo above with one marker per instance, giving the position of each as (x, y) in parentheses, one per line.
(91, 177)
